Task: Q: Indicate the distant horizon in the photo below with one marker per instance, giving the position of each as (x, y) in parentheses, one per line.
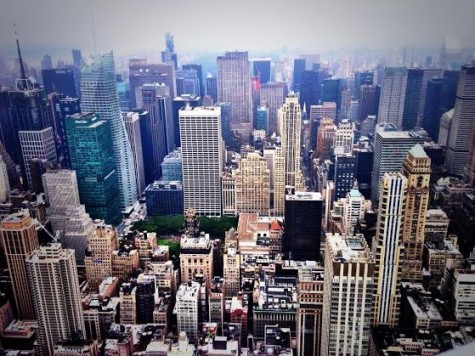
(135, 28)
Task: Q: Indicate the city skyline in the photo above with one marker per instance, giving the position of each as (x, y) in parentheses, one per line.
(323, 26)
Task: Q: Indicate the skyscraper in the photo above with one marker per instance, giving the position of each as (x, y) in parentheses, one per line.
(393, 95)
(199, 73)
(160, 127)
(412, 98)
(212, 87)
(368, 101)
(299, 67)
(4, 181)
(19, 239)
(37, 144)
(462, 122)
(61, 81)
(416, 169)
(290, 123)
(345, 167)
(141, 73)
(77, 57)
(92, 157)
(187, 298)
(200, 132)
(303, 225)
(388, 250)
(390, 150)
(132, 126)
(234, 85)
(439, 100)
(273, 96)
(67, 215)
(253, 185)
(309, 89)
(53, 280)
(261, 69)
(347, 295)
(99, 95)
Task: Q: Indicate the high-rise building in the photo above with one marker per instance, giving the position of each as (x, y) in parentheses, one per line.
(177, 104)
(92, 157)
(273, 96)
(390, 150)
(309, 311)
(196, 257)
(365, 78)
(200, 132)
(463, 121)
(132, 126)
(299, 67)
(428, 75)
(141, 73)
(347, 296)
(160, 128)
(393, 95)
(19, 239)
(231, 272)
(47, 62)
(53, 280)
(412, 98)
(37, 144)
(199, 73)
(61, 80)
(99, 96)
(187, 303)
(77, 57)
(63, 107)
(416, 168)
(234, 85)
(353, 210)
(439, 100)
(325, 139)
(261, 69)
(278, 177)
(98, 259)
(345, 167)
(172, 166)
(262, 118)
(309, 89)
(344, 137)
(368, 101)
(212, 87)
(4, 181)
(252, 185)
(303, 225)
(187, 82)
(290, 124)
(65, 212)
(388, 250)
(327, 110)
(331, 91)
(164, 197)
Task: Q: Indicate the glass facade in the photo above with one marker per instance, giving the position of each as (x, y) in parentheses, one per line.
(92, 157)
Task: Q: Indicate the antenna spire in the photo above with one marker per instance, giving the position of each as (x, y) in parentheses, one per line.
(22, 68)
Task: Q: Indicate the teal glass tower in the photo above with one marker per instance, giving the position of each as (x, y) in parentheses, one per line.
(92, 157)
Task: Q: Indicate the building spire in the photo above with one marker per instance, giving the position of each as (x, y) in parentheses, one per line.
(22, 68)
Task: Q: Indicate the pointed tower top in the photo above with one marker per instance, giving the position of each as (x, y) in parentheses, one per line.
(22, 68)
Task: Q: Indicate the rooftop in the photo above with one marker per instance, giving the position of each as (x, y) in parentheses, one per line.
(418, 151)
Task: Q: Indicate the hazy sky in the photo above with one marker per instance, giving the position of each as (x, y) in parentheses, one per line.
(127, 27)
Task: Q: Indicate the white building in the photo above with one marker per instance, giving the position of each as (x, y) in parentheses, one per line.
(344, 137)
(393, 94)
(387, 249)
(186, 308)
(37, 144)
(4, 182)
(201, 147)
(290, 124)
(353, 210)
(53, 279)
(67, 215)
(347, 296)
(132, 125)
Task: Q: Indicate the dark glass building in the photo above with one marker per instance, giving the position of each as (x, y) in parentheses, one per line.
(363, 170)
(299, 67)
(145, 298)
(308, 89)
(212, 88)
(199, 74)
(344, 175)
(92, 157)
(369, 101)
(61, 80)
(63, 107)
(332, 91)
(413, 97)
(303, 225)
(261, 69)
(362, 78)
(164, 198)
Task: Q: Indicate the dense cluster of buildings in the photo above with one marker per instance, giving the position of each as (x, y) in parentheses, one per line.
(353, 192)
